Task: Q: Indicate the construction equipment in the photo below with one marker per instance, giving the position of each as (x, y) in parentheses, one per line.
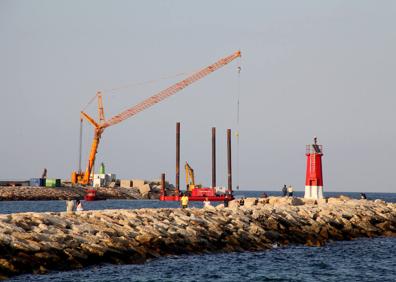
(83, 178)
(190, 179)
(196, 190)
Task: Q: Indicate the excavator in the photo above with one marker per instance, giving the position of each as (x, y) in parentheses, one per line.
(84, 178)
(190, 179)
(195, 191)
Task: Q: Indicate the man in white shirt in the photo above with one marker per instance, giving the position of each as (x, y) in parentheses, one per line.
(290, 191)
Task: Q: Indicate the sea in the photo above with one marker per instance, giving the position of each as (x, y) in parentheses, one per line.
(357, 260)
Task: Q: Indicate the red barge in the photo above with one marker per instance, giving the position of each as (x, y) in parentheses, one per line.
(199, 195)
(195, 192)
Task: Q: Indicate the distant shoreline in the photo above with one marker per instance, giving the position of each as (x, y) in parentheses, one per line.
(27, 193)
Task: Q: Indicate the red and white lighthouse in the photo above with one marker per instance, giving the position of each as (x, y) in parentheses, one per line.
(314, 177)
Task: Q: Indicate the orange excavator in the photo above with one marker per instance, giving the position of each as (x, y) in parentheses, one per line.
(84, 178)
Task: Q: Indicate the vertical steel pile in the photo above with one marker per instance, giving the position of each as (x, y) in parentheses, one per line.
(229, 161)
(178, 158)
(213, 156)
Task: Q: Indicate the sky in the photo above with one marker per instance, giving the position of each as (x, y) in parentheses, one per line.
(309, 68)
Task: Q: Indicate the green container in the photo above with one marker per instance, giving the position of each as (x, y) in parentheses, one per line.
(52, 182)
(102, 169)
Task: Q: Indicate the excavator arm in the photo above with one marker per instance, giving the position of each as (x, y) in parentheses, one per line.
(190, 179)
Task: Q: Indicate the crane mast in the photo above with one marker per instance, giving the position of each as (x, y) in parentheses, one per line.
(101, 124)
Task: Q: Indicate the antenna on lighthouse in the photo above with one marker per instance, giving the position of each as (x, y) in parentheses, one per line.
(314, 176)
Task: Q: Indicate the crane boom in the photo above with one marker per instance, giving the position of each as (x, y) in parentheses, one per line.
(101, 124)
(170, 90)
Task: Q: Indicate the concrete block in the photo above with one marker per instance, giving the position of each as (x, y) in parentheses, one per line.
(138, 182)
(144, 190)
(126, 183)
(98, 182)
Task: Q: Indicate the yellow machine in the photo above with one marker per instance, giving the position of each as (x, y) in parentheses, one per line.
(190, 179)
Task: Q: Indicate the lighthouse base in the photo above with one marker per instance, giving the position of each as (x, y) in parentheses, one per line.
(313, 192)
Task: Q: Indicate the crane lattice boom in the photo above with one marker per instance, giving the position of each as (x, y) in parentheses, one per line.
(170, 91)
(101, 124)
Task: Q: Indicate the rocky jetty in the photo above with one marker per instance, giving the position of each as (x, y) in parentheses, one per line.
(39, 242)
(150, 190)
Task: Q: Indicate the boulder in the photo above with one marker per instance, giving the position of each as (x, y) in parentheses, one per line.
(144, 190)
(344, 198)
(380, 202)
(334, 200)
(233, 204)
(310, 201)
(296, 201)
(278, 200)
(250, 202)
(322, 201)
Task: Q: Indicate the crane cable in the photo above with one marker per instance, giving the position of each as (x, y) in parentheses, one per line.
(134, 84)
(237, 117)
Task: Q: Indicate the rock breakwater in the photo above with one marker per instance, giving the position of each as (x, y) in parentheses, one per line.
(26, 193)
(39, 242)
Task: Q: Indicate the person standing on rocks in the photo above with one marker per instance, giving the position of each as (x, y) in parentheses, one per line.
(69, 205)
(79, 206)
(290, 191)
(225, 202)
(206, 203)
(284, 190)
(184, 201)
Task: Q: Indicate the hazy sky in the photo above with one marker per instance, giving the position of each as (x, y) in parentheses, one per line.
(324, 68)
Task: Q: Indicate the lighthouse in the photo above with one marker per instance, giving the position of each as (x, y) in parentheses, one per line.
(314, 177)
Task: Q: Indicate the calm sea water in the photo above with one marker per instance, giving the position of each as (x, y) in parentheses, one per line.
(357, 260)
(47, 206)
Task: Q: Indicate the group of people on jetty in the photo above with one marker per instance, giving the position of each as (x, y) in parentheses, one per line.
(72, 205)
(287, 191)
(206, 203)
(184, 202)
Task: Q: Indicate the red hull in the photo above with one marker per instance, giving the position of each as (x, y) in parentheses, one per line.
(90, 196)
